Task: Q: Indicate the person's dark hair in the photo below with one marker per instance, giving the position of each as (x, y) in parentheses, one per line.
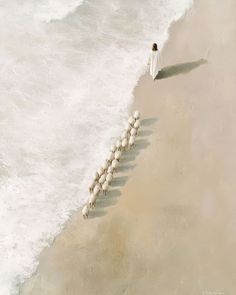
(154, 47)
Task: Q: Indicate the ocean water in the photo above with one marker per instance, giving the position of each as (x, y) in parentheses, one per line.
(67, 70)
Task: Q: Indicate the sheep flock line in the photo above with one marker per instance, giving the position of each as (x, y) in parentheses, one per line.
(104, 176)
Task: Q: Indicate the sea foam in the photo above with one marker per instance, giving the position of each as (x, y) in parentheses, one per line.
(68, 70)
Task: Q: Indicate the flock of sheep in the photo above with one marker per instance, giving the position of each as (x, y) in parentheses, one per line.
(104, 175)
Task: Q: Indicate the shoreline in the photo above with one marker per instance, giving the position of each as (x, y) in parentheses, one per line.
(158, 230)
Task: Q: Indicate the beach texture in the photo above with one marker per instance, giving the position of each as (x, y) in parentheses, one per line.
(168, 223)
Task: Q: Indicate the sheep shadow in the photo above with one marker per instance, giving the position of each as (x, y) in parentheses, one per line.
(127, 158)
(181, 68)
(145, 133)
(148, 122)
(105, 202)
(126, 164)
(96, 213)
(119, 181)
(126, 167)
(110, 199)
(141, 144)
(113, 193)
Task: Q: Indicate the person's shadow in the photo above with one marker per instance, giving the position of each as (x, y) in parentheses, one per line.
(178, 69)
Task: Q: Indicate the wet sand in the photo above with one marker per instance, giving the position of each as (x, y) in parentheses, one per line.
(168, 224)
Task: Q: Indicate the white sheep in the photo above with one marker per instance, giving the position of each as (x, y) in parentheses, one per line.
(100, 171)
(96, 189)
(96, 176)
(105, 165)
(91, 187)
(113, 148)
(131, 120)
(128, 127)
(110, 170)
(105, 187)
(114, 164)
(137, 124)
(124, 143)
(85, 211)
(110, 158)
(102, 178)
(109, 177)
(118, 144)
(136, 115)
(131, 141)
(117, 155)
(92, 200)
(133, 132)
(124, 135)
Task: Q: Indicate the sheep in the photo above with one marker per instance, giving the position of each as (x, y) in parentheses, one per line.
(136, 115)
(117, 155)
(96, 176)
(124, 143)
(85, 211)
(114, 164)
(96, 189)
(124, 135)
(105, 165)
(113, 148)
(105, 187)
(137, 124)
(131, 120)
(118, 144)
(109, 177)
(92, 200)
(100, 171)
(110, 170)
(91, 187)
(102, 178)
(110, 157)
(131, 140)
(128, 127)
(133, 132)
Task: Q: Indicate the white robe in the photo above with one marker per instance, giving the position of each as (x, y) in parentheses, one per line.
(154, 62)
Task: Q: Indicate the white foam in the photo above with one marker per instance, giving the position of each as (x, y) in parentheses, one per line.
(67, 76)
(48, 10)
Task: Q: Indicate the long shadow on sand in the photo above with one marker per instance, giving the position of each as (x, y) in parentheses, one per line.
(182, 68)
(126, 164)
(148, 122)
(110, 199)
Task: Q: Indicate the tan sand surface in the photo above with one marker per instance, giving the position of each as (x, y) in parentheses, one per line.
(168, 225)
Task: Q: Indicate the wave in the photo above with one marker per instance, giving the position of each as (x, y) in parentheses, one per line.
(49, 10)
(68, 70)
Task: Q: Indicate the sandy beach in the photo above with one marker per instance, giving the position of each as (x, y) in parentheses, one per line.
(168, 224)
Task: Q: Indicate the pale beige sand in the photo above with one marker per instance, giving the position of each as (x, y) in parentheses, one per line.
(169, 224)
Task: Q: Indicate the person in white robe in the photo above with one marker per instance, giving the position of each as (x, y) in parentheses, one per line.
(154, 61)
